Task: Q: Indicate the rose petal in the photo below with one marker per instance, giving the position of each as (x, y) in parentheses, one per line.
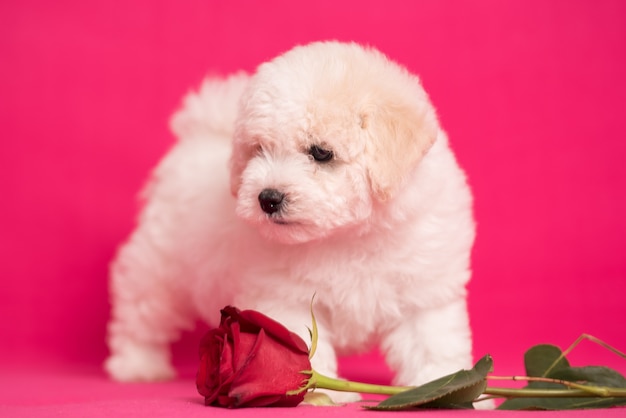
(201, 379)
(237, 348)
(271, 370)
(225, 371)
(252, 321)
(244, 349)
(207, 379)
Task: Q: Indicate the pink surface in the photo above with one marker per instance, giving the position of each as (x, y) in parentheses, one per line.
(532, 94)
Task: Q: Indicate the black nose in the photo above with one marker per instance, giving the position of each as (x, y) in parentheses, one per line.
(271, 200)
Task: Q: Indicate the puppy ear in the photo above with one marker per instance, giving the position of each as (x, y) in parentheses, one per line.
(399, 135)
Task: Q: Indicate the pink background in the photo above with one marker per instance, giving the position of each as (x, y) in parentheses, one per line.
(532, 94)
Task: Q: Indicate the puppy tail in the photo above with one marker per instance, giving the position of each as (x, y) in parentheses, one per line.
(210, 110)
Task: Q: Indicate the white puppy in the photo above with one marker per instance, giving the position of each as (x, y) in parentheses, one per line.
(340, 184)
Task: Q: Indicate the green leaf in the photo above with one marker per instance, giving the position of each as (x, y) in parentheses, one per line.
(457, 390)
(540, 362)
(541, 359)
(597, 375)
(558, 403)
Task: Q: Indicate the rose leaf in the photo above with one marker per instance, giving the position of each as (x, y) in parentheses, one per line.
(597, 375)
(600, 376)
(553, 404)
(457, 390)
(542, 358)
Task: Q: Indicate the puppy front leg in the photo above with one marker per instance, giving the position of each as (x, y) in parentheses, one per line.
(430, 344)
(148, 312)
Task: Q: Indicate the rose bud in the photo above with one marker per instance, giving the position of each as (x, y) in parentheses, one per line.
(251, 360)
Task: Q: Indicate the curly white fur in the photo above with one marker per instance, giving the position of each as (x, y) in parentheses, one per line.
(382, 232)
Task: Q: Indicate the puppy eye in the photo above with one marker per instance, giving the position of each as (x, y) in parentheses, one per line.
(320, 155)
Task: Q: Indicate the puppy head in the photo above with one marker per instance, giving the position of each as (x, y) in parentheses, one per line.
(325, 131)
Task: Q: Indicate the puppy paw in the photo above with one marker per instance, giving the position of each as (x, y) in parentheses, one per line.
(485, 405)
(322, 397)
(140, 364)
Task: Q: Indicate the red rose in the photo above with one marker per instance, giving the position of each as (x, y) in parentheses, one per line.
(251, 360)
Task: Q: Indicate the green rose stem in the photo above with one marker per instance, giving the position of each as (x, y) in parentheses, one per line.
(320, 381)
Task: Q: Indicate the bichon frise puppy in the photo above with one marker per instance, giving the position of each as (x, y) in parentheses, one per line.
(340, 184)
